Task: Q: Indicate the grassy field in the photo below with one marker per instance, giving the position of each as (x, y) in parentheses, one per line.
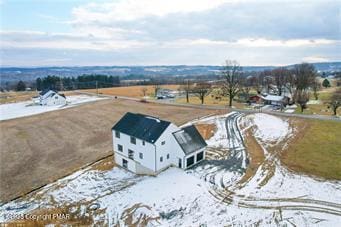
(316, 150)
(39, 149)
(322, 107)
(131, 91)
(209, 100)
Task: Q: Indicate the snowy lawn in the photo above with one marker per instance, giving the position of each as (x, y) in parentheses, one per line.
(23, 109)
(185, 198)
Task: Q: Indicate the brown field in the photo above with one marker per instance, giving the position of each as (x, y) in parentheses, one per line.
(39, 149)
(206, 130)
(131, 91)
(12, 96)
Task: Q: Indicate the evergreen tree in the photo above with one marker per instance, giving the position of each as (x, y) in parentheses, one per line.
(21, 86)
(326, 83)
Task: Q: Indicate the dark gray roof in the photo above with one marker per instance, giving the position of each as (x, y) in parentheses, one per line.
(141, 126)
(45, 91)
(189, 139)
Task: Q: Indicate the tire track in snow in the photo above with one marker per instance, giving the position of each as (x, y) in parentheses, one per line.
(236, 161)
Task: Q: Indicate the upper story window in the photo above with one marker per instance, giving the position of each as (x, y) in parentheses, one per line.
(141, 155)
(119, 147)
(163, 142)
(132, 140)
(117, 134)
(143, 143)
(161, 159)
(167, 156)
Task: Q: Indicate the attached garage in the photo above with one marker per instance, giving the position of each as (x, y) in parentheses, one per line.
(190, 161)
(200, 156)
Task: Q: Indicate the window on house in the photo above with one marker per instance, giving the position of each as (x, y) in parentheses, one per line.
(143, 143)
(119, 147)
(117, 134)
(141, 156)
(167, 156)
(125, 163)
(163, 142)
(161, 159)
(132, 140)
(131, 154)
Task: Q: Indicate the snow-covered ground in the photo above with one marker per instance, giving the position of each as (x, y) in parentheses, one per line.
(23, 109)
(313, 102)
(186, 198)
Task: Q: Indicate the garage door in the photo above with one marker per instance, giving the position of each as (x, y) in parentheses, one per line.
(190, 161)
(200, 156)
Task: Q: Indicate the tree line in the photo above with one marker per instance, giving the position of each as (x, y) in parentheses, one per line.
(298, 82)
(80, 82)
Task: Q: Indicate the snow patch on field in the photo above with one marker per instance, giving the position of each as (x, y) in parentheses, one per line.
(270, 128)
(313, 102)
(23, 109)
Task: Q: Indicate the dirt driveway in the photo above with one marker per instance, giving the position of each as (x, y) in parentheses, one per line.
(39, 149)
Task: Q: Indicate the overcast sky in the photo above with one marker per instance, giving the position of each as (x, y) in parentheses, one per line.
(168, 32)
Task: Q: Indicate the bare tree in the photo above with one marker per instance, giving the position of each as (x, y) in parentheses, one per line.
(280, 75)
(256, 84)
(316, 86)
(156, 89)
(302, 97)
(290, 82)
(201, 90)
(246, 86)
(267, 83)
(305, 76)
(335, 101)
(186, 87)
(144, 91)
(231, 85)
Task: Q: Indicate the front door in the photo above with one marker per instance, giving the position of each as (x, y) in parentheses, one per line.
(180, 163)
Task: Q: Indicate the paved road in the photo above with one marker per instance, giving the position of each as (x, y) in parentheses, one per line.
(306, 116)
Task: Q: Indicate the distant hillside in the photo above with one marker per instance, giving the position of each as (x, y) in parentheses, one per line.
(29, 74)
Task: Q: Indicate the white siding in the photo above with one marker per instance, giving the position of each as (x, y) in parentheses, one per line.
(55, 100)
(150, 163)
(171, 147)
(148, 150)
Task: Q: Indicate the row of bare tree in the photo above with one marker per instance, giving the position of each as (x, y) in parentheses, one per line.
(297, 82)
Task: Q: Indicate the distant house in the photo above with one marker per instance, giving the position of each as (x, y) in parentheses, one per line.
(51, 98)
(255, 99)
(147, 145)
(275, 100)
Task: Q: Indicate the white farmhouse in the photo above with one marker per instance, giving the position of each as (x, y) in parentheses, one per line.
(51, 98)
(147, 145)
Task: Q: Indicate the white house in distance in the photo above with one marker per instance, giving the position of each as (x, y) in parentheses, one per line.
(275, 100)
(51, 98)
(147, 145)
